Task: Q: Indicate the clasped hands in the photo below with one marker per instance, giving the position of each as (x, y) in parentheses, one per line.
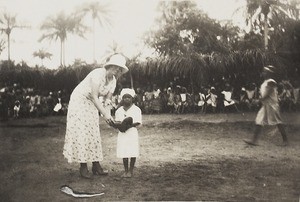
(122, 126)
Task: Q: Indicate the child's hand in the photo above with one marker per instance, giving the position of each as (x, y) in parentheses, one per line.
(127, 121)
(116, 124)
(120, 126)
(124, 125)
(123, 128)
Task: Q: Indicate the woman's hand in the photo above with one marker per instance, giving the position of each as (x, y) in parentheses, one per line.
(89, 96)
(107, 102)
(108, 119)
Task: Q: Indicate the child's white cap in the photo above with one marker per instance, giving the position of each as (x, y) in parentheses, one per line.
(127, 91)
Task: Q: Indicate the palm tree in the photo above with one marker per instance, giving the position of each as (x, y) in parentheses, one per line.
(112, 49)
(42, 54)
(58, 27)
(258, 10)
(2, 43)
(7, 24)
(99, 12)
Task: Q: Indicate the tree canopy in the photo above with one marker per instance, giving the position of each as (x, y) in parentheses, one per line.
(183, 28)
(59, 27)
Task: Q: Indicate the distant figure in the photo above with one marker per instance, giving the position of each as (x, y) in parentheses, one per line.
(170, 100)
(202, 103)
(228, 101)
(212, 99)
(17, 109)
(269, 113)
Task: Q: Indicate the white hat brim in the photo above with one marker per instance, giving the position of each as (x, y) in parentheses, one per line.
(124, 68)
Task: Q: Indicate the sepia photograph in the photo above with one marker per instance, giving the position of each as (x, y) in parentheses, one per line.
(150, 100)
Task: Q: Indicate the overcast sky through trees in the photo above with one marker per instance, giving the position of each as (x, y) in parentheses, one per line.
(130, 18)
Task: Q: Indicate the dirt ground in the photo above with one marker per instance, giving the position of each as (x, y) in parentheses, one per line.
(190, 157)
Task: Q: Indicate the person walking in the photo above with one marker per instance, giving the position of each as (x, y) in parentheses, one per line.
(128, 139)
(269, 113)
(83, 140)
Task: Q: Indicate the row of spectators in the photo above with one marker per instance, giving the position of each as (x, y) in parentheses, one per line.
(17, 102)
(178, 99)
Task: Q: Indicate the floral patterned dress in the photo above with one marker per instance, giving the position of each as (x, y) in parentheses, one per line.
(83, 140)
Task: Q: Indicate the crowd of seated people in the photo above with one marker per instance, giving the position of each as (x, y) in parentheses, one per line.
(17, 102)
(211, 99)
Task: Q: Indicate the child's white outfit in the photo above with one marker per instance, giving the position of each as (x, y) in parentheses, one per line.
(128, 142)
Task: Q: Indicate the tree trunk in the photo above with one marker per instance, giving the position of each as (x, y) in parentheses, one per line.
(94, 41)
(266, 32)
(8, 49)
(131, 80)
(61, 52)
(64, 54)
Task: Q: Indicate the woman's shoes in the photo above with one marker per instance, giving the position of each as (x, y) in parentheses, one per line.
(84, 173)
(97, 170)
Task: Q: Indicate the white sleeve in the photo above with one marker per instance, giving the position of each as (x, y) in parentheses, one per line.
(112, 85)
(97, 76)
(118, 115)
(137, 118)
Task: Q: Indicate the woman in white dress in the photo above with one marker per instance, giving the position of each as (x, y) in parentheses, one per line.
(128, 139)
(269, 114)
(83, 139)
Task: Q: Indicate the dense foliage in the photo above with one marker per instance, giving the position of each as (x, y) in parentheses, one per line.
(190, 46)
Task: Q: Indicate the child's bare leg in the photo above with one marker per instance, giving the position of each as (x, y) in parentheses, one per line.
(283, 134)
(132, 163)
(125, 163)
(255, 137)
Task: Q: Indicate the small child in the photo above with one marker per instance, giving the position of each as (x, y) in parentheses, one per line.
(212, 99)
(128, 140)
(17, 109)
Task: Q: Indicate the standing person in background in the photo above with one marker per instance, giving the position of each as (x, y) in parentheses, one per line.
(17, 108)
(51, 103)
(128, 139)
(170, 100)
(202, 103)
(177, 99)
(148, 99)
(83, 139)
(269, 113)
(212, 99)
(139, 99)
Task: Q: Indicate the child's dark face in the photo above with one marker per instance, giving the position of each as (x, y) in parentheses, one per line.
(127, 99)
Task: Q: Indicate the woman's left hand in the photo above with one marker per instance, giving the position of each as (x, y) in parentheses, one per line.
(109, 120)
(107, 102)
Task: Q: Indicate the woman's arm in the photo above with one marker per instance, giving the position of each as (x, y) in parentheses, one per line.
(108, 98)
(95, 99)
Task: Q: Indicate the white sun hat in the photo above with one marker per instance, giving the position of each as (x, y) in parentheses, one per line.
(127, 91)
(117, 60)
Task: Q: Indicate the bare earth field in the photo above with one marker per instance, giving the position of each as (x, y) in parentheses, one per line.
(189, 157)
